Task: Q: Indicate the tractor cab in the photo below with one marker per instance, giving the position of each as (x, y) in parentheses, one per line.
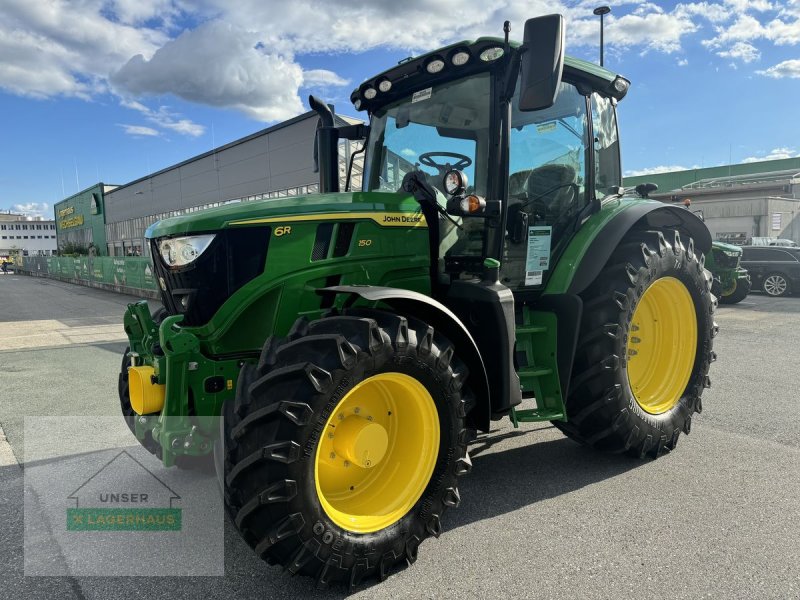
(507, 141)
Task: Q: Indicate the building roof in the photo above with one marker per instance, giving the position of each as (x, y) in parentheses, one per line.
(675, 180)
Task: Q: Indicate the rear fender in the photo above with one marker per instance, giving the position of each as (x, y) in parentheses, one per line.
(442, 319)
(590, 258)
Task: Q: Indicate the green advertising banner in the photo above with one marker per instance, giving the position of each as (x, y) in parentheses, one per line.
(130, 271)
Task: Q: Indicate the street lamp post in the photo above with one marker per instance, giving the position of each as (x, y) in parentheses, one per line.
(601, 10)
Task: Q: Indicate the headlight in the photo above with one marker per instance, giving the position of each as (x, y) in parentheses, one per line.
(180, 251)
(731, 253)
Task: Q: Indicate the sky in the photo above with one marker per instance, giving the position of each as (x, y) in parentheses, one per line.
(111, 90)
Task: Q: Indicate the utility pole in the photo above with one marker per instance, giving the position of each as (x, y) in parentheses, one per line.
(601, 10)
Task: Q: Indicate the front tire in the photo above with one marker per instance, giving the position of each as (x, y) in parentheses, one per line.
(645, 348)
(343, 445)
(738, 294)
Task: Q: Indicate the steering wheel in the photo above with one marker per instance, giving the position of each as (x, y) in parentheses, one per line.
(462, 162)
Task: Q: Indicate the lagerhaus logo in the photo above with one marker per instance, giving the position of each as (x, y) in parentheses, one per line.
(124, 496)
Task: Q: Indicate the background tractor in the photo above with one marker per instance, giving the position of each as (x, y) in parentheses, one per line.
(731, 282)
(355, 342)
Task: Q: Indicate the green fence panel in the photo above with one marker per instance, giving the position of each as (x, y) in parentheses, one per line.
(130, 271)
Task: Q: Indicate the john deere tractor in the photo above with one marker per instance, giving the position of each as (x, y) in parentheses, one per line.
(355, 342)
(731, 281)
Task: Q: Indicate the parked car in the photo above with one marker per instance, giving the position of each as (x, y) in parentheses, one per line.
(773, 269)
(768, 241)
(731, 282)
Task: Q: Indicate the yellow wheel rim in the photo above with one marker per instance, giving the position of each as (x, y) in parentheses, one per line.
(662, 344)
(377, 452)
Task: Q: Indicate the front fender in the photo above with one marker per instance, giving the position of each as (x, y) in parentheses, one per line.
(442, 319)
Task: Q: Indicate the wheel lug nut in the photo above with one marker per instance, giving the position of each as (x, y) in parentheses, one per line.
(356, 410)
(330, 436)
(333, 454)
(347, 463)
(635, 340)
(632, 352)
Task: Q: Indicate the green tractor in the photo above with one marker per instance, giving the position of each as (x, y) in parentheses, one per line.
(356, 342)
(731, 282)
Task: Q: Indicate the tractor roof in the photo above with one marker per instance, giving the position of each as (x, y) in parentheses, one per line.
(410, 74)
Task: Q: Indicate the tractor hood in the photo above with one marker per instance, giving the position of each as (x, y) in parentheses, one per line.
(238, 214)
(726, 247)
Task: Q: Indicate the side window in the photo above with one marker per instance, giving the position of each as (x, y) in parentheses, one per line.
(606, 146)
(547, 162)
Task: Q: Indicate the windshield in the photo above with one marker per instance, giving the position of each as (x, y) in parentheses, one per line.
(433, 130)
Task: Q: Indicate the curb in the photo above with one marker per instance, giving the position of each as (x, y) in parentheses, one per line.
(7, 457)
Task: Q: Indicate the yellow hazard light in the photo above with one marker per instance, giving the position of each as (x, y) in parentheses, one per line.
(472, 204)
(146, 397)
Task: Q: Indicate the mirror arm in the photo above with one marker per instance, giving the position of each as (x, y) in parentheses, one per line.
(512, 74)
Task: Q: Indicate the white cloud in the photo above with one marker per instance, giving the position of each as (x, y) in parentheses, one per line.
(219, 65)
(787, 68)
(774, 154)
(748, 28)
(64, 48)
(133, 12)
(139, 130)
(746, 5)
(716, 13)
(743, 51)
(408, 152)
(32, 209)
(657, 170)
(165, 119)
(653, 31)
(323, 77)
(683, 62)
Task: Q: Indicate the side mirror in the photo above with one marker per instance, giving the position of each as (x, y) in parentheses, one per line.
(542, 62)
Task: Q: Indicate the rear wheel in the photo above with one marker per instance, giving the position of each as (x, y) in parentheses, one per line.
(645, 347)
(343, 445)
(776, 284)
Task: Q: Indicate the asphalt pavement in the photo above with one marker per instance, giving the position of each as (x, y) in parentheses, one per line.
(540, 517)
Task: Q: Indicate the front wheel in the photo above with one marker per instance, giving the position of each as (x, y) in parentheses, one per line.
(738, 294)
(645, 347)
(776, 284)
(343, 445)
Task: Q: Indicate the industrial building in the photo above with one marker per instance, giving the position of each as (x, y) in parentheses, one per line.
(26, 236)
(737, 202)
(274, 162)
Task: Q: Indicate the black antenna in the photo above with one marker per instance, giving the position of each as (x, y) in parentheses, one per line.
(506, 29)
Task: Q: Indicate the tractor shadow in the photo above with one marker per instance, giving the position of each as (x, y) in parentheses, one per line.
(506, 479)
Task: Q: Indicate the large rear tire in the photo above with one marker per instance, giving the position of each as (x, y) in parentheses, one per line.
(344, 443)
(645, 347)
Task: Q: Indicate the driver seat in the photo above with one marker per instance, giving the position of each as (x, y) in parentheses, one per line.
(548, 188)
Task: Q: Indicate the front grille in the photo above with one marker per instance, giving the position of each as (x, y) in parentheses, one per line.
(200, 288)
(725, 261)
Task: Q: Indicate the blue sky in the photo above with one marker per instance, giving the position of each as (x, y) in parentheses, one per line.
(114, 89)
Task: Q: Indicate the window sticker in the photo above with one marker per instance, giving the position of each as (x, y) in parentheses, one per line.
(538, 258)
(545, 127)
(421, 95)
